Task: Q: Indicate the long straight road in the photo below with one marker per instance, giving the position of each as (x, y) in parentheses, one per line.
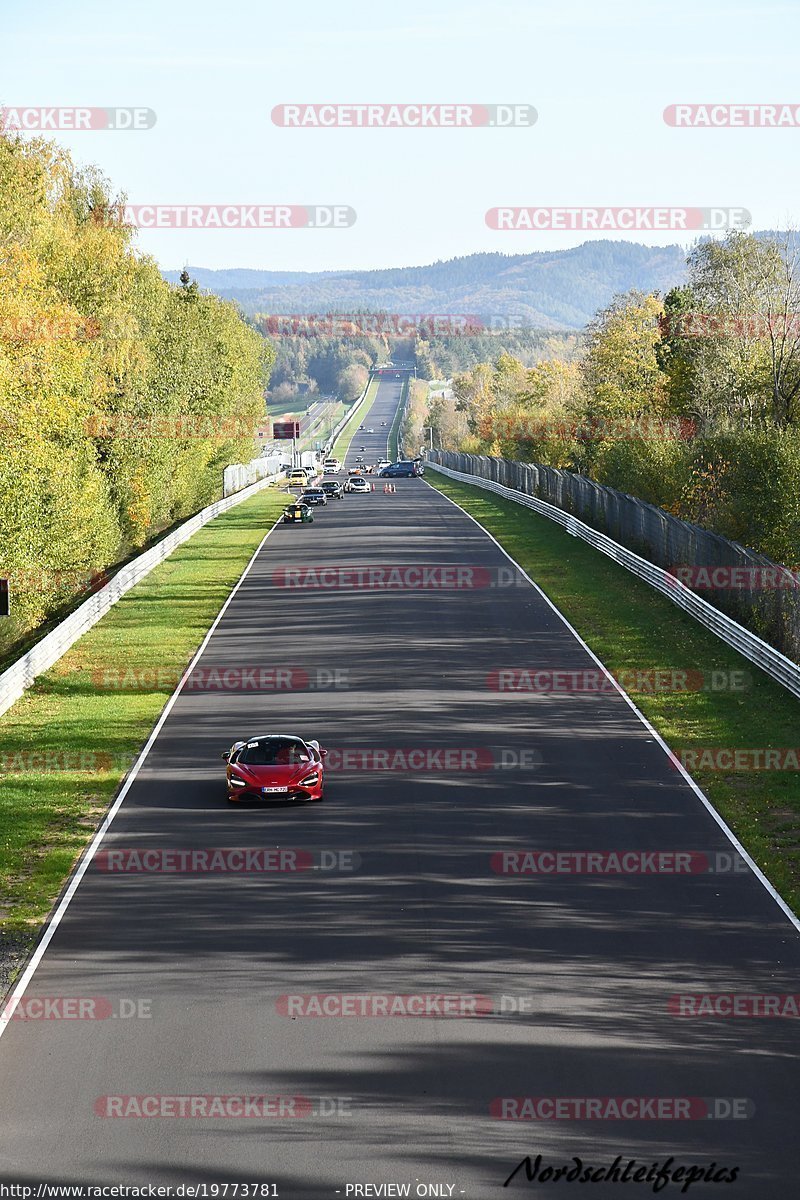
(557, 985)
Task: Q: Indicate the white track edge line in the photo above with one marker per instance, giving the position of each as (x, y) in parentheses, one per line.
(7, 1012)
(754, 867)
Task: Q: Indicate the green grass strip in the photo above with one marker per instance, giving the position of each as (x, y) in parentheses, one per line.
(394, 433)
(67, 743)
(631, 627)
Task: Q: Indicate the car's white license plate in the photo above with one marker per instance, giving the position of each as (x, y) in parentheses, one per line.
(271, 789)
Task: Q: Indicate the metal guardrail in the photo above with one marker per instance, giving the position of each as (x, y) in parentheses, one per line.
(241, 475)
(748, 644)
(21, 674)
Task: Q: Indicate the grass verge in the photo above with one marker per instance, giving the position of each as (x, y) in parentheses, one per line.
(632, 628)
(67, 743)
(394, 432)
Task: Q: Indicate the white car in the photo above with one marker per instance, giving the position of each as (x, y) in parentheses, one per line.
(385, 462)
(357, 483)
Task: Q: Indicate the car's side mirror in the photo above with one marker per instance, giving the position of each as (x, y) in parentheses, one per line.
(323, 753)
(225, 754)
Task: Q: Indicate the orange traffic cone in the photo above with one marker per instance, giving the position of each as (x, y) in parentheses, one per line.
(373, 486)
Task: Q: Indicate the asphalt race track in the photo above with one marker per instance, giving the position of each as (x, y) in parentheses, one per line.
(557, 985)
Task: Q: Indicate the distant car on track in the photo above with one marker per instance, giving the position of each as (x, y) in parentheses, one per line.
(274, 766)
(403, 469)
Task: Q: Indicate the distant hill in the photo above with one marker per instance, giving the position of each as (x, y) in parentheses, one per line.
(551, 289)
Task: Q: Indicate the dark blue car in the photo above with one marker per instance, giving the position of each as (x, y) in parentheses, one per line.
(407, 469)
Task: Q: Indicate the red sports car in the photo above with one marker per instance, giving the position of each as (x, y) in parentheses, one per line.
(274, 766)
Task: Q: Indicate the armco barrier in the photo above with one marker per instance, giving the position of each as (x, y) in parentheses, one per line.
(50, 649)
(748, 644)
(241, 475)
(771, 612)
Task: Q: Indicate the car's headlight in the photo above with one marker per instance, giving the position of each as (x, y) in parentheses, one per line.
(309, 779)
(235, 781)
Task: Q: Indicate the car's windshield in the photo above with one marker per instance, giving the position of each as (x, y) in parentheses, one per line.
(274, 751)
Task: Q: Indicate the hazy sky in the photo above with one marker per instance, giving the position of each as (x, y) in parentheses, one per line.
(598, 73)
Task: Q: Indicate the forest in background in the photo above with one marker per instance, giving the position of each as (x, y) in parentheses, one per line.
(334, 354)
(547, 289)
